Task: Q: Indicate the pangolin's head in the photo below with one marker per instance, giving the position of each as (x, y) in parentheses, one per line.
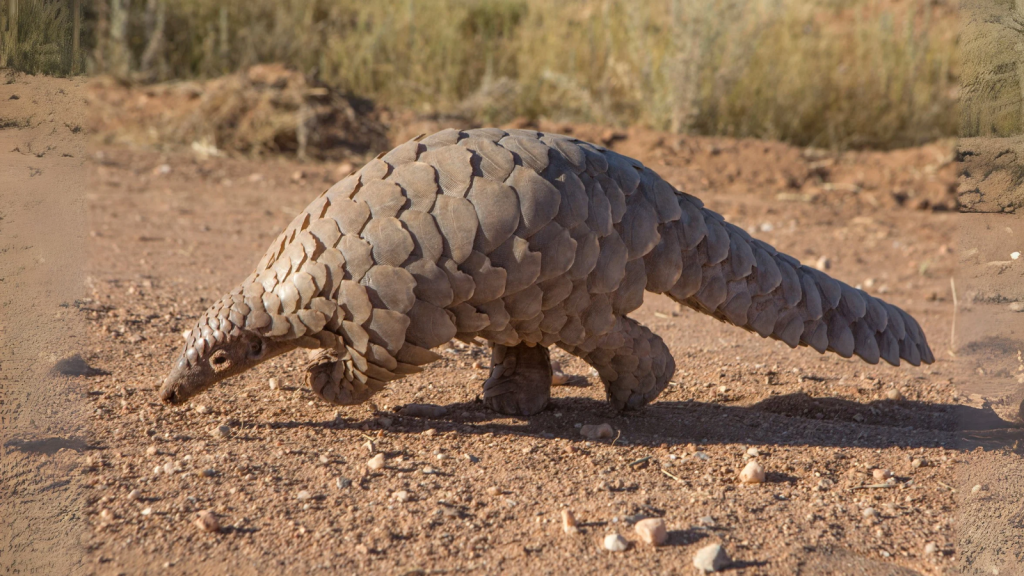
(220, 346)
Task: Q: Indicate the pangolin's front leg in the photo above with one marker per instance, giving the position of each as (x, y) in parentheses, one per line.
(520, 381)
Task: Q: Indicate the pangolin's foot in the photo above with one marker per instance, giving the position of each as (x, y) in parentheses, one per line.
(336, 379)
(520, 381)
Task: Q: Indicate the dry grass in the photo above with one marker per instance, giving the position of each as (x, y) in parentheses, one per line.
(44, 38)
(866, 73)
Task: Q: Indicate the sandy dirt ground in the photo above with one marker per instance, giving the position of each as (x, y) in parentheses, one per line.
(475, 492)
(42, 261)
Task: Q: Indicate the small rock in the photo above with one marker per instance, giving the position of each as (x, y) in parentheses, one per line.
(146, 511)
(569, 523)
(203, 409)
(324, 459)
(615, 543)
(207, 522)
(1016, 306)
(706, 521)
(977, 489)
(596, 432)
(106, 515)
(930, 548)
(711, 558)
(1014, 255)
(376, 463)
(894, 394)
(428, 470)
(652, 531)
(869, 513)
(157, 470)
(303, 495)
(823, 263)
(209, 472)
(401, 496)
(494, 491)
(152, 451)
(917, 463)
(430, 432)
(472, 459)
(134, 495)
(752, 473)
(423, 411)
(274, 383)
(881, 474)
(342, 482)
(169, 468)
(221, 432)
(753, 452)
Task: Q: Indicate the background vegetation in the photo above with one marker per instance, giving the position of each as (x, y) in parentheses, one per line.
(858, 73)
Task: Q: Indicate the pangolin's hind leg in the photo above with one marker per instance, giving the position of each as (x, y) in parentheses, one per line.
(633, 362)
(336, 378)
(520, 381)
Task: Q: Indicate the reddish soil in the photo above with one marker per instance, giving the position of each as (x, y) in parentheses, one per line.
(169, 232)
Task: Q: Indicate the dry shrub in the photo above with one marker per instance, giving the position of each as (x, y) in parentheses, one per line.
(266, 108)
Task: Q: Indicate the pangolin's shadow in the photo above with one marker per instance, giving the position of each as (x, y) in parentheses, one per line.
(792, 419)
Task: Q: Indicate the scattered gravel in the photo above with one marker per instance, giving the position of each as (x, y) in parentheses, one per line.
(711, 558)
(569, 523)
(597, 432)
(207, 521)
(652, 531)
(423, 411)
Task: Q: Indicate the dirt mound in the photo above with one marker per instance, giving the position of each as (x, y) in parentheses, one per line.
(265, 109)
(991, 174)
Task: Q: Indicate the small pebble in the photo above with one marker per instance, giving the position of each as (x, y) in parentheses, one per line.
(342, 482)
(430, 432)
(977, 488)
(423, 411)
(711, 558)
(157, 470)
(615, 543)
(823, 263)
(881, 474)
(752, 473)
(652, 531)
(596, 432)
(894, 394)
(274, 383)
(376, 463)
(203, 409)
(209, 472)
(917, 463)
(753, 452)
(869, 513)
(146, 511)
(106, 515)
(706, 521)
(569, 523)
(428, 470)
(930, 548)
(401, 496)
(207, 522)
(134, 495)
(494, 491)
(221, 432)
(152, 451)
(303, 495)
(324, 459)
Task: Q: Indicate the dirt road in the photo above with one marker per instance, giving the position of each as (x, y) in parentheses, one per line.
(475, 492)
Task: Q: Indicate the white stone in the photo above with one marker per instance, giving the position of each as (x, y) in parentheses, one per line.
(752, 473)
(376, 463)
(615, 543)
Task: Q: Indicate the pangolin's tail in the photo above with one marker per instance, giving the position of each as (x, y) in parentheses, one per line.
(714, 267)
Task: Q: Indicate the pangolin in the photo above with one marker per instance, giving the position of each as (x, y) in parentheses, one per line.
(525, 240)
